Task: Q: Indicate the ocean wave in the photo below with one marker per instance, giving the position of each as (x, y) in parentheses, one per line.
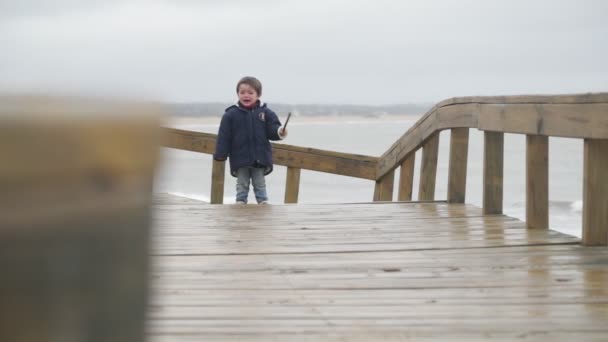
(577, 206)
(197, 197)
(567, 206)
(564, 206)
(200, 197)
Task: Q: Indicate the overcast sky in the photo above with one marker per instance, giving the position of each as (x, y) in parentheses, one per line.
(305, 51)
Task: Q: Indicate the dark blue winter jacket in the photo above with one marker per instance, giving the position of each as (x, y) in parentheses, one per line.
(243, 137)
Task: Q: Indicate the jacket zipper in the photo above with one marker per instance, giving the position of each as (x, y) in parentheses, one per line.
(251, 121)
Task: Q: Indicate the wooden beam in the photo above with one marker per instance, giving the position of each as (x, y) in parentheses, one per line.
(292, 186)
(75, 197)
(493, 172)
(583, 120)
(428, 169)
(406, 178)
(218, 172)
(537, 181)
(384, 188)
(189, 140)
(345, 164)
(595, 193)
(457, 174)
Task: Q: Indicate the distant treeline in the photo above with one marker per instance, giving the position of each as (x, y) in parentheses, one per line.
(217, 109)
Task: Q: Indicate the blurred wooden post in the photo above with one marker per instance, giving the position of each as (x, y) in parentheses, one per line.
(218, 172)
(595, 193)
(74, 228)
(457, 174)
(292, 186)
(493, 172)
(406, 178)
(383, 190)
(428, 169)
(537, 181)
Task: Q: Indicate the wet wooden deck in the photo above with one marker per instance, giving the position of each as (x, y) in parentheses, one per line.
(368, 272)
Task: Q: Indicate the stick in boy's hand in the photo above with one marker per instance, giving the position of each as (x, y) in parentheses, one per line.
(287, 120)
(284, 128)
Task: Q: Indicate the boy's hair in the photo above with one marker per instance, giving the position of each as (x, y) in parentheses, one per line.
(252, 82)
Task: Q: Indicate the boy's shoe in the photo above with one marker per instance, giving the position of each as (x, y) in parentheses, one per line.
(241, 202)
(263, 202)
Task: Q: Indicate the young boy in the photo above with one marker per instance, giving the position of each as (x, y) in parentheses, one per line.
(243, 137)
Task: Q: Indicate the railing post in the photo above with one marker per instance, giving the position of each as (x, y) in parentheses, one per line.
(428, 169)
(493, 172)
(217, 182)
(595, 193)
(406, 178)
(292, 186)
(457, 174)
(384, 187)
(537, 181)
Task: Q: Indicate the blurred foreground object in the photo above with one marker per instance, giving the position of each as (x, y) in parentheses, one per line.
(76, 178)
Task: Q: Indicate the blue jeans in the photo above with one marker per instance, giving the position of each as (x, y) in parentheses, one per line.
(256, 175)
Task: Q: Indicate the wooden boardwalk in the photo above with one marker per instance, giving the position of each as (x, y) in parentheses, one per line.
(368, 272)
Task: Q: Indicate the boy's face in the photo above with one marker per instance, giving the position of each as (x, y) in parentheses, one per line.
(247, 95)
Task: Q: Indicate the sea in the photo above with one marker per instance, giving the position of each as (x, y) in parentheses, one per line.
(188, 174)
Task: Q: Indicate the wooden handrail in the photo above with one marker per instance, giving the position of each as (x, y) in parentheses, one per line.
(345, 164)
(572, 116)
(582, 116)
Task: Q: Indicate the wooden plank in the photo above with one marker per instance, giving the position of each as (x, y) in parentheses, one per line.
(319, 289)
(189, 140)
(493, 172)
(595, 193)
(529, 99)
(292, 186)
(428, 169)
(322, 161)
(583, 120)
(218, 173)
(457, 174)
(340, 228)
(457, 116)
(537, 181)
(406, 178)
(383, 190)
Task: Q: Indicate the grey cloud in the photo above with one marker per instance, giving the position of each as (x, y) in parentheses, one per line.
(312, 51)
(26, 8)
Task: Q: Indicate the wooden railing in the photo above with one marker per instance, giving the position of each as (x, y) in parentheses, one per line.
(293, 157)
(582, 116)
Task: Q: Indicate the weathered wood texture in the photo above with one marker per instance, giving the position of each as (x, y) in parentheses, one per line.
(390, 271)
(457, 174)
(344, 164)
(74, 223)
(383, 191)
(292, 186)
(595, 193)
(218, 175)
(428, 169)
(537, 181)
(493, 160)
(406, 178)
(575, 116)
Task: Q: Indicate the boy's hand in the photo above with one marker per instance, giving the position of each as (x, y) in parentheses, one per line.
(283, 132)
